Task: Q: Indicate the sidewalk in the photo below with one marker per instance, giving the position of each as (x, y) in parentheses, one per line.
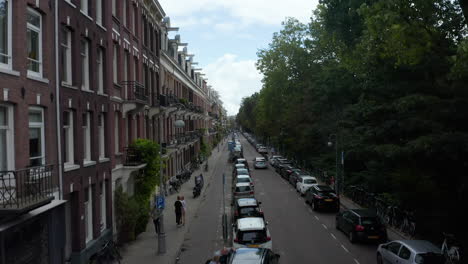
(144, 249)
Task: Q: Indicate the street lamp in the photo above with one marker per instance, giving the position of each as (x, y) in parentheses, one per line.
(330, 143)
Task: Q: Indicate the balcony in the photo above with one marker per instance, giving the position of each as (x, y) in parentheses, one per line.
(133, 157)
(26, 189)
(136, 96)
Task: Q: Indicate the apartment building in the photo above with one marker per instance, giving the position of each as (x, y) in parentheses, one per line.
(31, 207)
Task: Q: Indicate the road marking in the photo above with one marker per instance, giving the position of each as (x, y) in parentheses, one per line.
(310, 210)
(345, 249)
(316, 217)
(334, 237)
(357, 262)
(299, 198)
(291, 189)
(324, 226)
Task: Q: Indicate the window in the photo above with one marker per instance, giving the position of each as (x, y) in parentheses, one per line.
(394, 247)
(85, 8)
(99, 12)
(34, 43)
(103, 206)
(116, 132)
(68, 137)
(86, 137)
(88, 217)
(100, 70)
(65, 43)
(114, 7)
(85, 64)
(102, 151)
(36, 137)
(135, 68)
(6, 138)
(114, 63)
(405, 253)
(125, 64)
(124, 12)
(134, 14)
(5, 33)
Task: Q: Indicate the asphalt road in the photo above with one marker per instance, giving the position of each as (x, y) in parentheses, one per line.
(298, 234)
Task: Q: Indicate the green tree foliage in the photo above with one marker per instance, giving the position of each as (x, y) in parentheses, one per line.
(389, 78)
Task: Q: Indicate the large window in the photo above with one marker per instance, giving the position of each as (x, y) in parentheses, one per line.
(88, 217)
(6, 138)
(114, 64)
(5, 33)
(116, 133)
(36, 137)
(134, 15)
(103, 206)
(124, 12)
(102, 128)
(100, 70)
(114, 7)
(85, 7)
(86, 137)
(85, 64)
(99, 12)
(68, 137)
(34, 42)
(65, 43)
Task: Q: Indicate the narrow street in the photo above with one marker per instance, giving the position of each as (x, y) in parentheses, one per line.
(299, 235)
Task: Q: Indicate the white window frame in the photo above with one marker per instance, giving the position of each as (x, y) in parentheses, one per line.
(125, 70)
(115, 64)
(116, 133)
(102, 138)
(87, 138)
(69, 144)
(84, 7)
(103, 206)
(9, 35)
(88, 217)
(41, 126)
(68, 67)
(10, 136)
(100, 70)
(124, 12)
(114, 8)
(99, 12)
(134, 18)
(84, 64)
(39, 30)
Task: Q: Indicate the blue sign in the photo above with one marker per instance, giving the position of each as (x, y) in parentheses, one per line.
(160, 201)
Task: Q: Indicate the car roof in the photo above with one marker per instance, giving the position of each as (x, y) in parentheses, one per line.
(248, 255)
(259, 159)
(420, 246)
(241, 184)
(322, 187)
(307, 177)
(243, 176)
(247, 202)
(240, 160)
(242, 169)
(250, 223)
(365, 212)
(276, 157)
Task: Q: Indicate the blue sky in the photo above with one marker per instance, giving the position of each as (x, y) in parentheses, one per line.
(225, 36)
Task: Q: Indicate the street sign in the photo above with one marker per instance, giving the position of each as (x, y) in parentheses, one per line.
(160, 201)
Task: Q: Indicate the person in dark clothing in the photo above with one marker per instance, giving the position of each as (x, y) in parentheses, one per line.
(155, 214)
(178, 210)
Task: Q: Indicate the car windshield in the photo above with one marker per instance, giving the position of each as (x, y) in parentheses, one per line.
(240, 180)
(326, 193)
(242, 172)
(249, 211)
(243, 189)
(252, 237)
(370, 221)
(310, 181)
(429, 258)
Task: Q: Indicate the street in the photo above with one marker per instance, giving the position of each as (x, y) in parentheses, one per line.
(299, 235)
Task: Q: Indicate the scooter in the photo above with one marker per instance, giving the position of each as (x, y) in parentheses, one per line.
(196, 191)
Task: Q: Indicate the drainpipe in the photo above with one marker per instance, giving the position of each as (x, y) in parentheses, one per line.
(57, 103)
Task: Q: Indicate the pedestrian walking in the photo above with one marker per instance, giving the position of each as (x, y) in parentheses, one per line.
(184, 208)
(178, 210)
(155, 215)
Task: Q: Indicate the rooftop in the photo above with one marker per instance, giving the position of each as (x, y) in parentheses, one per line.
(250, 223)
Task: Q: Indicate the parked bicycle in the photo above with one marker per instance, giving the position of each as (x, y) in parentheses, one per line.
(408, 225)
(108, 254)
(451, 249)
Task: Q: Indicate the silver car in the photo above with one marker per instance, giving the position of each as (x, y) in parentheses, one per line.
(409, 252)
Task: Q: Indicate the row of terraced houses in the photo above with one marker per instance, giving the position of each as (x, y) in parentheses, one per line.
(80, 80)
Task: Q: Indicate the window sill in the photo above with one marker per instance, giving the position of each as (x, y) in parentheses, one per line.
(70, 3)
(70, 167)
(103, 94)
(118, 154)
(39, 79)
(86, 15)
(116, 99)
(102, 160)
(101, 26)
(9, 71)
(67, 85)
(87, 163)
(87, 90)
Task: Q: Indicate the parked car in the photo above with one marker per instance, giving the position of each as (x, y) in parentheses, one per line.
(251, 232)
(246, 207)
(361, 225)
(304, 183)
(242, 161)
(253, 256)
(241, 172)
(322, 197)
(262, 150)
(293, 175)
(243, 190)
(286, 171)
(274, 158)
(243, 179)
(282, 163)
(239, 166)
(260, 163)
(409, 252)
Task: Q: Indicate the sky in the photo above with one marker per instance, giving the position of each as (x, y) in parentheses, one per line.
(225, 36)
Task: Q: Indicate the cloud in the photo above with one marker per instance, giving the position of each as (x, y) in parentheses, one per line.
(233, 79)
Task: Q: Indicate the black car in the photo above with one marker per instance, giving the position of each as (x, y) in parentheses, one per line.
(282, 163)
(293, 176)
(253, 256)
(361, 225)
(285, 170)
(322, 197)
(246, 207)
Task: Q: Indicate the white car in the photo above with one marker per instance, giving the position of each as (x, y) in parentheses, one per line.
(304, 183)
(243, 179)
(273, 159)
(251, 232)
(260, 163)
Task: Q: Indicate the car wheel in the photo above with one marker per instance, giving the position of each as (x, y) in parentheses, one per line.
(352, 237)
(379, 259)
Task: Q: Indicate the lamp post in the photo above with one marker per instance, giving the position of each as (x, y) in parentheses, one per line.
(330, 143)
(162, 235)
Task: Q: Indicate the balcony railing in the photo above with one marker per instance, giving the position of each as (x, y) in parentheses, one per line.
(26, 189)
(132, 157)
(136, 91)
(167, 100)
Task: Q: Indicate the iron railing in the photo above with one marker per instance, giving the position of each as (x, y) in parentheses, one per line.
(132, 157)
(26, 188)
(136, 91)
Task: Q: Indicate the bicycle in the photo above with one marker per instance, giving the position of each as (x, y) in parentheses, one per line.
(408, 225)
(452, 252)
(108, 254)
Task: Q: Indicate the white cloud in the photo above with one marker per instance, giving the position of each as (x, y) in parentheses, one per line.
(233, 79)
